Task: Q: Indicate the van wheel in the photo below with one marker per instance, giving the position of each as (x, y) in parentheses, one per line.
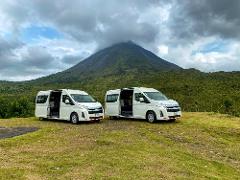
(113, 117)
(151, 116)
(74, 118)
(172, 120)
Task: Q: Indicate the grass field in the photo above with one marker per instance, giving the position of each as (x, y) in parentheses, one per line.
(199, 146)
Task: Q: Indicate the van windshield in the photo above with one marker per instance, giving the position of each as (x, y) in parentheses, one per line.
(158, 96)
(82, 98)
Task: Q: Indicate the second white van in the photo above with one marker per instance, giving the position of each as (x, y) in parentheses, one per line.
(141, 103)
(67, 104)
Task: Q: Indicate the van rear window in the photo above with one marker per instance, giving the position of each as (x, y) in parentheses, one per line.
(42, 99)
(112, 98)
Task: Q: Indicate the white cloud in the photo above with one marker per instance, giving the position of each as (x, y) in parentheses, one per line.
(162, 50)
(191, 57)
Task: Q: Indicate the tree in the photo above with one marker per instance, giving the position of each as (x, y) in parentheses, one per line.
(4, 108)
(21, 108)
(228, 104)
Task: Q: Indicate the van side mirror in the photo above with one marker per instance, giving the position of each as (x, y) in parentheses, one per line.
(67, 101)
(141, 99)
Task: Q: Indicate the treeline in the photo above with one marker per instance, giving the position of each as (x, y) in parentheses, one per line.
(16, 107)
(194, 90)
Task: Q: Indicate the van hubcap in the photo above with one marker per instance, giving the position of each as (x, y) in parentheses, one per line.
(74, 119)
(151, 117)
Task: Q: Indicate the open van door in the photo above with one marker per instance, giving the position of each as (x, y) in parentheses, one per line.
(112, 106)
(42, 105)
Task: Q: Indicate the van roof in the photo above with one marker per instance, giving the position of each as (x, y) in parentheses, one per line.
(70, 91)
(143, 89)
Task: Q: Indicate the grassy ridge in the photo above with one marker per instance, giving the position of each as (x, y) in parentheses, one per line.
(201, 145)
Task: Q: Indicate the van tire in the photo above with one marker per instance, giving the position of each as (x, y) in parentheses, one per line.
(151, 116)
(74, 118)
(113, 117)
(172, 120)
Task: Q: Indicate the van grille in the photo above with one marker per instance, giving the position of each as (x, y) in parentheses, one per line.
(96, 110)
(173, 109)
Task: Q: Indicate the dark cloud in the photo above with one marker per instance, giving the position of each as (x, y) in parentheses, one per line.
(18, 60)
(37, 57)
(7, 46)
(191, 19)
(105, 22)
(7, 55)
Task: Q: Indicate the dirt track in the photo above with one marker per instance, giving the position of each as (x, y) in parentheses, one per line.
(16, 131)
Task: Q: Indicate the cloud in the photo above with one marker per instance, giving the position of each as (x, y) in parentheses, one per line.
(43, 37)
(27, 61)
(115, 21)
(162, 50)
(191, 19)
(218, 61)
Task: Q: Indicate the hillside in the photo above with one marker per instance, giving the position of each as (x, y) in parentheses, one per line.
(119, 59)
(199, 146)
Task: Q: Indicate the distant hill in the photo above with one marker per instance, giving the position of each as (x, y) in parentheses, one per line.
(118, 59)
(126, 65)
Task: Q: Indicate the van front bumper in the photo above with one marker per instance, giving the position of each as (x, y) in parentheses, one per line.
(95, 117)
(169, 115)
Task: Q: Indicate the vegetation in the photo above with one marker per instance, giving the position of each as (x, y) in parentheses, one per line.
(199, 146)
(195, 91)
(128, 65)
(15, 107)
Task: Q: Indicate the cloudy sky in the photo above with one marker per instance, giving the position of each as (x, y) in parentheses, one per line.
(40, 37)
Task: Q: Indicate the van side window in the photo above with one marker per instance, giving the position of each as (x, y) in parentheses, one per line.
(140, 95)
(64, 97)
(112, 98)
(42, 99)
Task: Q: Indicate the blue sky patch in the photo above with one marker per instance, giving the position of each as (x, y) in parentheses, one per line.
(34, 32)
(215, 46)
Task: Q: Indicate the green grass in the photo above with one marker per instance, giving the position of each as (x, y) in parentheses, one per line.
(199, 146)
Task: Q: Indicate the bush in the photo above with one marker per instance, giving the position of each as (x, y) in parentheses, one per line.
(21, 108)
(5, 108)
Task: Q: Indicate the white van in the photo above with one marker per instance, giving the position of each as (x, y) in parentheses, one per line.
(66, 104)
(141, 103)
